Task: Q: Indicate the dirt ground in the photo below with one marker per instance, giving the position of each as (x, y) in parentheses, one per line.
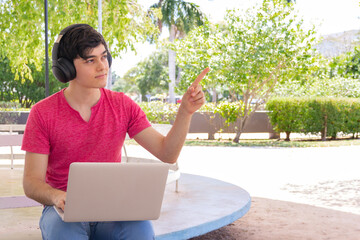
(274, 219)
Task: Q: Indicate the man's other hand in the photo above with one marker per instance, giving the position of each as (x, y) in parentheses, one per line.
(194, 97)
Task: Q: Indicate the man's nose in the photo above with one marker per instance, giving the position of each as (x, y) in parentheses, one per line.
(102, 64)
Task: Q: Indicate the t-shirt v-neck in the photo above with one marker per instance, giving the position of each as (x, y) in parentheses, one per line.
(94, 109)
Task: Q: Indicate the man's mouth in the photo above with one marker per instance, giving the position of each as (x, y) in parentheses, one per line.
(101, 76)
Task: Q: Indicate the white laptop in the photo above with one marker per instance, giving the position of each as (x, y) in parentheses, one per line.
(114, 192)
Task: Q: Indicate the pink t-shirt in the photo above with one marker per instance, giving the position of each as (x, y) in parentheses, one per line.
(56, 129)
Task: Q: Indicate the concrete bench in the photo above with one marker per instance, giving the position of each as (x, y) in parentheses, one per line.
(11, 128)
(10, 137)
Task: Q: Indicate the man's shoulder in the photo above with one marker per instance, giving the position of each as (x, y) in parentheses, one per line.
(116, 96)
(112, 93)
(49, 103)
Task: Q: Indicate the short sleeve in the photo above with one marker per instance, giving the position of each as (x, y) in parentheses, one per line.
(36, 138)
(137, 120)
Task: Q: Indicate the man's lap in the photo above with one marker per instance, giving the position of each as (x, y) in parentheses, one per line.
(52, 227)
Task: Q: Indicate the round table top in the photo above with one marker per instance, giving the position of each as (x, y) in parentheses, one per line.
(202, 205)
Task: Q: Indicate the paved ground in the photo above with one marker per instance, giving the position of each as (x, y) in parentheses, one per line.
(321, 177)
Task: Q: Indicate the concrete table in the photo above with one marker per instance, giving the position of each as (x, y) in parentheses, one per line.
(202, 205)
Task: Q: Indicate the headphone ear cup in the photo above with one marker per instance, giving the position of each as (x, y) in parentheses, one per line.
(58, 73)
(68, 71)
(109, 58)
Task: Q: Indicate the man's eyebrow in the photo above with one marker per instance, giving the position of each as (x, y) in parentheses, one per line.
(91, 56)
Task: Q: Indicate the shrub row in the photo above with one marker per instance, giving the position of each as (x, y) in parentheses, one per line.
(9, 105)
(325, 116)
(159, 112)
(10, 112)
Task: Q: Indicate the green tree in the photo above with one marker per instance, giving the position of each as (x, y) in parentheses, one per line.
(180, 17)
(127, 83)
(321, 87)
(260, 48)
(201, 49)
(6, 78)
(345, 65)
(150, 75)
(26, 92)
(153, 75)
(353, 64)
(22, 27)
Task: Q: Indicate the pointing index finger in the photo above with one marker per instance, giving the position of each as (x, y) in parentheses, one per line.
(200, 77)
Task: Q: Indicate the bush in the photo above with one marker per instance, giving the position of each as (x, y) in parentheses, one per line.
(286, 114)
(207, 107)
(10, 112)
(327, 116)
(352, 117)
(159, 112)
(230, 111)
(9, 105)
(336, 87)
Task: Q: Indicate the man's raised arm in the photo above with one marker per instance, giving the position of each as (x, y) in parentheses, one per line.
(168, 148)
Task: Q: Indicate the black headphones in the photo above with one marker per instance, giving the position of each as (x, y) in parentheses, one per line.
(62, 68)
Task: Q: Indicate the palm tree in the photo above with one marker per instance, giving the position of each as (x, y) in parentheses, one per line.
(180, 17)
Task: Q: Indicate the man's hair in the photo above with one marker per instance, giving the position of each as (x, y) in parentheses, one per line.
(79, 41)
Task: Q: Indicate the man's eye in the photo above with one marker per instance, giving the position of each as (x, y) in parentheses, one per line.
(89, 61)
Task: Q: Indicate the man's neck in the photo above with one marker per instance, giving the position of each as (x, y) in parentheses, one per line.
(81, 98)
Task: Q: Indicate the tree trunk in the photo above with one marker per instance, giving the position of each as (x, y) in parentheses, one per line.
(237, 136)
(287, 136)
(324, 131)
(172, 56)
(211, 136)
(211, 119)
(109, 80)
(239, 130)
(214, 95)
(178, 77)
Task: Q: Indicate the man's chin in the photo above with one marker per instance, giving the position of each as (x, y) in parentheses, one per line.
(103, 84)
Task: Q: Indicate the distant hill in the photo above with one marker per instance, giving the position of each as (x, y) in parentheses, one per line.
(338, 43)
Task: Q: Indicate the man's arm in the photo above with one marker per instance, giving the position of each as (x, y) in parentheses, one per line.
(34, 183)
(168, 148)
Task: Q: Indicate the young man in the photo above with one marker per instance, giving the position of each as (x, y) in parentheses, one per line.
(85, 122)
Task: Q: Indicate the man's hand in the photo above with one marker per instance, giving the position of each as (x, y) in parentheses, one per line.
(59, 199)
(194, 97)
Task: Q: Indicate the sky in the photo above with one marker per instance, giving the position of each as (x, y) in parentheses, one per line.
(331, 16)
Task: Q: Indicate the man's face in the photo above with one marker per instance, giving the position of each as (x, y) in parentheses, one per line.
(92, 71)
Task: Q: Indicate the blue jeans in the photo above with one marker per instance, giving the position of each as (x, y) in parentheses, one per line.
(52, 227)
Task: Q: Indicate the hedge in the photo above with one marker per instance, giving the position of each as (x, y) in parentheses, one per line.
(159, 112)
(10, 112)
(321, 116)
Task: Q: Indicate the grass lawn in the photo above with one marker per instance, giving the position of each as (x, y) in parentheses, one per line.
(274, 143)
(295, 142)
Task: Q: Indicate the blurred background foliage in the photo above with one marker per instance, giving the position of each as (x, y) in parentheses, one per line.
(255, 55)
